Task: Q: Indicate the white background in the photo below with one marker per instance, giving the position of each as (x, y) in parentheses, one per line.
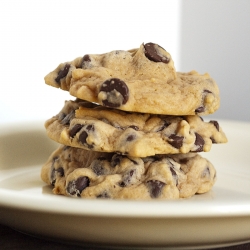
(38, 35)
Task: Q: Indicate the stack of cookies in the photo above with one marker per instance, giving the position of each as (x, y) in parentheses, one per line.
(134, 130)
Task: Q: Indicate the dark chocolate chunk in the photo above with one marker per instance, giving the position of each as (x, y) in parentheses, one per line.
(216, 124)
(117, 92)
(199, 141)
(155, 187)
(76, 187)
(176, 141)
(153, 53)
(62, 73)
(73, 131)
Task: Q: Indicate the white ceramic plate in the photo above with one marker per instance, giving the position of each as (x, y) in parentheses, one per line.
(218, 218)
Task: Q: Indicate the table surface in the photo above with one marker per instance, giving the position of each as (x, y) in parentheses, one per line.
(11, 239)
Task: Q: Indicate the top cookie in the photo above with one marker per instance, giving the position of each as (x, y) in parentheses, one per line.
(139, 80)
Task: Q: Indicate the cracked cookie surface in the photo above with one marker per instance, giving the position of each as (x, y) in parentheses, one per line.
(93, 127)
(88, 174)
(138, 80)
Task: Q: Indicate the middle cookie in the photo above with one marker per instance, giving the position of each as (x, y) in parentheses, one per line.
(89, 126)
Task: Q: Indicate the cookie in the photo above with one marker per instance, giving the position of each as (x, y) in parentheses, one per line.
(88, 174)
(139, 80)
(89, 126)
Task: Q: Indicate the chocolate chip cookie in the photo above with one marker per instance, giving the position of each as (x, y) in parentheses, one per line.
(140, 80)
(89, 126)
(89, 174)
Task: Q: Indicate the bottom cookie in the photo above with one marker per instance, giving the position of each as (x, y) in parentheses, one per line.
(88, 174)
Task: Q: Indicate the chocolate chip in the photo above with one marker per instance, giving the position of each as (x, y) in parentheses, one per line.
(199, 142)
(90, 127)
(103, 195)
(85, 61)
(200, 109)
(216, 124)
(205, 173)
(207, 91)
(73, 131)
(175, 176)
(165, 125)
(117, 92)
(83, 139)
(76, 187)
(53, 171)
(65, 147)
(130, 138)
(155, 188)
(134, 127)
(97, 167)
(116, 160)
(213, 140)
(62, 73)
(127, 178)
(176, 141)
(153, 53)
(66, 120)
(60, 171)
(183, 161)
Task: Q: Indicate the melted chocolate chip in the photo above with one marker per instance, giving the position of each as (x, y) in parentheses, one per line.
(76, 187)
(127, 178)
(176, 141)
(174, 175)
(153, 53)
(83, 139)
(213, 140)
(216, 124)
(73, 131)
(62, 73)
(134, 127)
(103, 195)
(130, 138)
(60, 171)
(53, 172)
(199, 142)
(205, 173)
(85, 61)
(200, 109)
(66, 120)
(207, 91)
(183, 161)
(165, 125)
(97, 167)
(116, 160)
(155, 188)
(117, 92)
